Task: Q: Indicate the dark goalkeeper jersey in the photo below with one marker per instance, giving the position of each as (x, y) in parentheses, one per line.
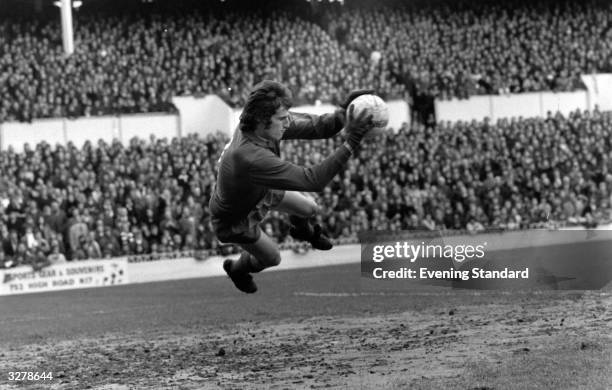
(249, 166)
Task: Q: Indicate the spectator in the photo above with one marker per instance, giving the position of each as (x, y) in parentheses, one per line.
(78, 251)
(4, 262)
(56, 256)
(429, 223)
(11, 243)
(91, 247)
(77, 231)
(474, 226)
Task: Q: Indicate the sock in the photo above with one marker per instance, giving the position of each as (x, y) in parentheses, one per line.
(302, 225)
(247, 263)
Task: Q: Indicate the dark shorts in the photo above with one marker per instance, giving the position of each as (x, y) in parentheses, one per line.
(246, 230)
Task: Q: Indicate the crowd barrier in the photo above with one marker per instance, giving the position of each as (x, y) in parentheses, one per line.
(526, 105)
(204, 115)
(108, 128)
(197, 115)
(599, 90)
(145, 269)
(598, 93)
(209, 114)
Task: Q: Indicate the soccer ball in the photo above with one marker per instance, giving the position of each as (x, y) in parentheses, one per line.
(375, 106)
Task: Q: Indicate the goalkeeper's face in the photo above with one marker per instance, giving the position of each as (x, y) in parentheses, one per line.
(278, 124)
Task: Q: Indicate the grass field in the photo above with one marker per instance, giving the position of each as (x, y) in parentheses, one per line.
(310, 328)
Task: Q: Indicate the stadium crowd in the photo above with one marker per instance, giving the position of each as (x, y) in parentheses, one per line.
(151, 197)
(61, 203)
(458, 49)
(136, 63)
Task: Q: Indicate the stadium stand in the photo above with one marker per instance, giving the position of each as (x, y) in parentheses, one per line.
(458, 49)
(137, 62)
(104, 200)
(151, 197)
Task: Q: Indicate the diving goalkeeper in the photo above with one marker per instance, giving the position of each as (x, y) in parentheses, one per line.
(252, 178)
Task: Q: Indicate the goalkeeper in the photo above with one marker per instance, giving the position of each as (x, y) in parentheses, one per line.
(252, 178)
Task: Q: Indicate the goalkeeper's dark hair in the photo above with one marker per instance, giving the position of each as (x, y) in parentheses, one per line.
(263, 102)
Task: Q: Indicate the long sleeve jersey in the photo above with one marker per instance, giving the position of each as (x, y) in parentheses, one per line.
(249, 166)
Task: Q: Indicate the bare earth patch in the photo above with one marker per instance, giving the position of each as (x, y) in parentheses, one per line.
(530, 342)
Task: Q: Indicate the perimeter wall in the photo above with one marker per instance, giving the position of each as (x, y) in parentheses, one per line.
(209, 114)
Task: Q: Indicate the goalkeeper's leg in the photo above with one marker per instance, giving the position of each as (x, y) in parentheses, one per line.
(301, 209)
(256, 257)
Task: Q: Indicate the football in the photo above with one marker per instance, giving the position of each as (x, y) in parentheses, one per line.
(375, 106)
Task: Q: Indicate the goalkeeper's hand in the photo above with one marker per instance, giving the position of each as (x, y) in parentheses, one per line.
(357, 127)
(353, 95)
(340, 113)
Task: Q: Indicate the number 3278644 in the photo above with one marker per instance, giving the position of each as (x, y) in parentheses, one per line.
(29, 376)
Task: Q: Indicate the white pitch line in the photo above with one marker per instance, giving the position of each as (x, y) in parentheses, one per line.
(435, 293)
(378, 294)
(64, 315)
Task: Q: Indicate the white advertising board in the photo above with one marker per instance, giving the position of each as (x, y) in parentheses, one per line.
(66, 276)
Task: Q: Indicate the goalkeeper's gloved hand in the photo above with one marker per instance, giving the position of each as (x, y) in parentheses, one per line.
(341, 111)
(353, 95)
(357, 127)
